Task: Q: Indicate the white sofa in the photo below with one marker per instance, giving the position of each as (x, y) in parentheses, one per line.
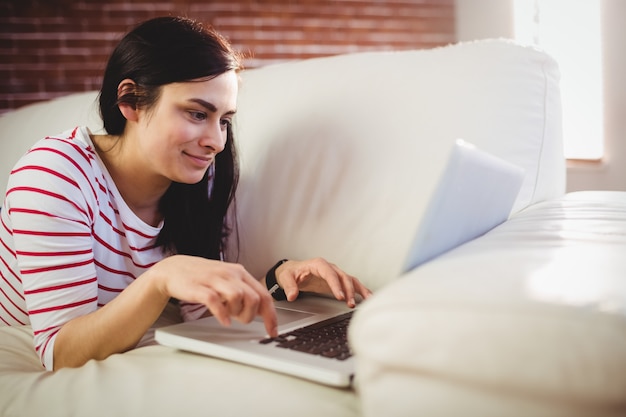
(339, 157)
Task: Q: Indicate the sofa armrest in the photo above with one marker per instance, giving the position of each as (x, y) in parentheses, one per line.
(528, 320)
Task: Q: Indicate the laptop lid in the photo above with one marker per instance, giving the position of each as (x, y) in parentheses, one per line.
(475, 193)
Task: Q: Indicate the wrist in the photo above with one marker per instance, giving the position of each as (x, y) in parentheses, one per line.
(155, 282)
(271, 282)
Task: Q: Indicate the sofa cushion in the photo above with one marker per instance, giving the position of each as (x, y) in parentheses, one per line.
(156, 381)
(341, 155)
(533, 312)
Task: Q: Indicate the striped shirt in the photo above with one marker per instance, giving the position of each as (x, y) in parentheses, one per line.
(68, 242)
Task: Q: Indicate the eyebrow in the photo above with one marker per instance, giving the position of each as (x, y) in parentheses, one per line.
(210, 106)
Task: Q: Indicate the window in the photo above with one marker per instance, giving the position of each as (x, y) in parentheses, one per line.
(570, 32)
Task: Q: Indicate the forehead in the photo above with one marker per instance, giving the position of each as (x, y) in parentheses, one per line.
(220, 91)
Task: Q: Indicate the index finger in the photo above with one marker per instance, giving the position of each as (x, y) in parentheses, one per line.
(266, 309)
(268, 313)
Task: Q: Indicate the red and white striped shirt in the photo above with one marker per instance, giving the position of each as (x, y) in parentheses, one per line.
(68, 242)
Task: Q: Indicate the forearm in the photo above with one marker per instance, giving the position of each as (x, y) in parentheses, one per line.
(114, 328)
(226, 289)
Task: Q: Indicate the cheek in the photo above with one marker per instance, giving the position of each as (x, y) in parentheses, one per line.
(169, 122)
(176, 131)
(185, 132)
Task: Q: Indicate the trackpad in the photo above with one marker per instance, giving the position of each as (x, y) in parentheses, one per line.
(286, 316)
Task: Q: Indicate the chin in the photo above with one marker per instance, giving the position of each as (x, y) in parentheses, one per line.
(188, 178)
(190, 181)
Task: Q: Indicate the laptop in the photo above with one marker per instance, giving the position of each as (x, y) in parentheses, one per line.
(475, 193)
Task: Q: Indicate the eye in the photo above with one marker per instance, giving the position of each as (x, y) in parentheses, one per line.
(197, 115)
(226, 123)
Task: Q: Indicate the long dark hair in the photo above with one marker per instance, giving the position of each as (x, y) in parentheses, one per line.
(161, 51)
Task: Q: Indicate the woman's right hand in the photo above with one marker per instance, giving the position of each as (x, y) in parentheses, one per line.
(226, 289)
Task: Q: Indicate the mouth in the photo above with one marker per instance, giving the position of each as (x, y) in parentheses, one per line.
(200, 160)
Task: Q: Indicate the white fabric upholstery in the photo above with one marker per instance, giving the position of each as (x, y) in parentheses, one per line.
(155, 381)
(339, 158)
(340, 155)
(534, 310)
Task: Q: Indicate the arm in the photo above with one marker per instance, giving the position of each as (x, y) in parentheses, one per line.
(62, 256)
(114, 328)
(227, 290)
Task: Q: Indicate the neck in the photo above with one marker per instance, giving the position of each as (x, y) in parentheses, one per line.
(140, 191)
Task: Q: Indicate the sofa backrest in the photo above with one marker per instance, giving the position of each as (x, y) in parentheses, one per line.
(21, 128)
(340, 155)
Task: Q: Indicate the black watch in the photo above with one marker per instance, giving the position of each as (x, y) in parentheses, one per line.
(272, 285)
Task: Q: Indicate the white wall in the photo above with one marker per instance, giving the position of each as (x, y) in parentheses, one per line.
(479, 19)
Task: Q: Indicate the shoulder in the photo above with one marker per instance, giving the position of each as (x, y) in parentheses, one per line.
(71, 146)
(62, 165)
(70, 153)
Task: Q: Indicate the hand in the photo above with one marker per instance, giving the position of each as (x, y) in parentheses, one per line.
(226, 289)
(319, 276)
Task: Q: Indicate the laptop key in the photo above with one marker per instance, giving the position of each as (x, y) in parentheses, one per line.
(328, 338)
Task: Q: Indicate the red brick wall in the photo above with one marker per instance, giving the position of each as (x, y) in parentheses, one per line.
(50, 48)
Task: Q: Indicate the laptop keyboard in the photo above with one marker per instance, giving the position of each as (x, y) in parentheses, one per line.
(327, 338)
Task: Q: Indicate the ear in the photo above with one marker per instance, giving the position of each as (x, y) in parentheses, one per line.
(127, 88)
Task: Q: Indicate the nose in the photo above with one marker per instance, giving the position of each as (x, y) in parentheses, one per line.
(214, 137)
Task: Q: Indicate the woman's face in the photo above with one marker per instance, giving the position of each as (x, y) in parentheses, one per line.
(181, 135)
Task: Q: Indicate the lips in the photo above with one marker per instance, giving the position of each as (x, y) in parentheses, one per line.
(201, 160)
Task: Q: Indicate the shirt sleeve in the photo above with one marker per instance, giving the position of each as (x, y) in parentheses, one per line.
(193, 311)
(51, 204)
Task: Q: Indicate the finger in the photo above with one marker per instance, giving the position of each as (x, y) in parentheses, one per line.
(333, 277)
(213, 301)
(317, 275)
(290, 286)
(288, 280)
(361, 289)
(249, 307)
(242, 294)
(347, 282)
(258, 302)
(234, 298)
(268, 312)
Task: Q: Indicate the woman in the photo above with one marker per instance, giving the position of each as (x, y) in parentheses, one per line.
(100, 232)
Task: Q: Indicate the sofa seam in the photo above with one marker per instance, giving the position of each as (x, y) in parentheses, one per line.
(543, 130)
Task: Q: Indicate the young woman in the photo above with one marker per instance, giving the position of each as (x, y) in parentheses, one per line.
(99, 232)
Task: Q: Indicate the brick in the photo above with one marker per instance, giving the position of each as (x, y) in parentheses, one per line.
(51, 48)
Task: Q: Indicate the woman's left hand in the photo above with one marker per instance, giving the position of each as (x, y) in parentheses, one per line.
(319, 276)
